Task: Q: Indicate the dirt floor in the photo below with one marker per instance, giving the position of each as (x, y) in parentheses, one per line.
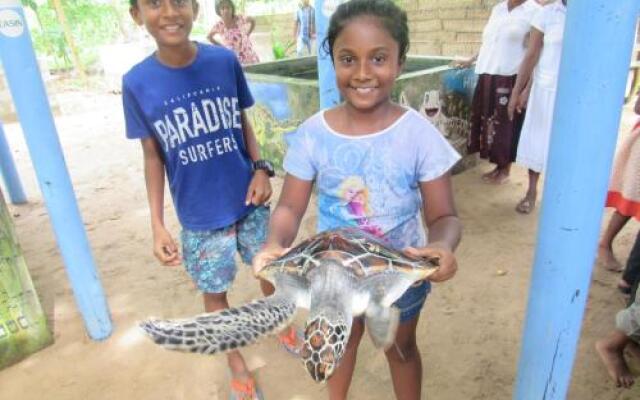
(469, 332)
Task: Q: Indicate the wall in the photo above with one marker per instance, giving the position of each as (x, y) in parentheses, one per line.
(447, 27)
(438, 27)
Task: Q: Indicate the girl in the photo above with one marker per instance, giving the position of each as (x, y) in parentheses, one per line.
(543, 54)
(401, 160)
(233, 31)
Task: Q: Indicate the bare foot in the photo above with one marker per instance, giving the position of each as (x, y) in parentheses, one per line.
(613, 360)
(608, 260)
(499, 178)
(489, 176)
(526, 205)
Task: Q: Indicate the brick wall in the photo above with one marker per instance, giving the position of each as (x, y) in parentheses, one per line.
(438, 27)
(447, 27)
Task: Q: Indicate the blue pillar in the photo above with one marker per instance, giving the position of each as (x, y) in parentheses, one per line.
(27, 89)
(9, 173)
(593, 71)
(329, 95)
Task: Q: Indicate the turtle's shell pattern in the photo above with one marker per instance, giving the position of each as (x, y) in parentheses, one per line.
(362, 252)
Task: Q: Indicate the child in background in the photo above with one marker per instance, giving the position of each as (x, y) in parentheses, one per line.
(626, 335)
(186, 104)
(624, 197)
(375, 164)
(304, 28)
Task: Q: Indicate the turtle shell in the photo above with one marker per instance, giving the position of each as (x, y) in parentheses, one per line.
(359, 251)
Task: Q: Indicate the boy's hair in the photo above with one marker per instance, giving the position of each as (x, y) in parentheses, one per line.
(392, 18)
(220, 3)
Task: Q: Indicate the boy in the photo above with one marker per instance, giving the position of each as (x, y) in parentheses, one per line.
(304, 28)
(186, 104)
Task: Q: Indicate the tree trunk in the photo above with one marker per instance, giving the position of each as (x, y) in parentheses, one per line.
(77, 64)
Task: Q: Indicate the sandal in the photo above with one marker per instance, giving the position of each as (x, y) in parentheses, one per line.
(245, 389)
(525, 206)
(291, 341)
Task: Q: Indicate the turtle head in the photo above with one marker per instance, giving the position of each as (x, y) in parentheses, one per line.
(325, 341)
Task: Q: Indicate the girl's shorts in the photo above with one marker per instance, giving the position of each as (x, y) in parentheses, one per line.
(209, 256)
(411, 302)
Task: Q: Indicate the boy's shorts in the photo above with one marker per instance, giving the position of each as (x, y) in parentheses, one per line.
(209, 256)
(411, 302)
(628, 320)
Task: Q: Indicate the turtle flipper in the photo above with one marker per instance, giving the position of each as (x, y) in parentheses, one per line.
(382, 324)
(223, 330)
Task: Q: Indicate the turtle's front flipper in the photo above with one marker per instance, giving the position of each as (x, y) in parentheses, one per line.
(382, 324)
(223, 330)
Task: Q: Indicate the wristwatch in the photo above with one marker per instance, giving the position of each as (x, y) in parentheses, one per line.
(264, 165)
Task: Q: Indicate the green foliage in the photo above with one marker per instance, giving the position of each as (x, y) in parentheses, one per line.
(92, 23)
(280, 49)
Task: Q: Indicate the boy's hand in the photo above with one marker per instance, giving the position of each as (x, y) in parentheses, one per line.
(165, 248)
(259, 189)
(268, 253)
(448, 264)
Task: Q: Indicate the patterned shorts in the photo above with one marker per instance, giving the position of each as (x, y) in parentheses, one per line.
(209, 256)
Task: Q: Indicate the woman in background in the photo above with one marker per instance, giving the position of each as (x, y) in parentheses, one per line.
(233, 32)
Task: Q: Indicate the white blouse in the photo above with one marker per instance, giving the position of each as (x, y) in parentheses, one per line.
(503, 39)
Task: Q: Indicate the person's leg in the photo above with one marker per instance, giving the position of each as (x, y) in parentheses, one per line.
(611, 350)
(502, 174)
(299, 46)
(218, 301)
(340, 381)
(209, 257)
(631, 274)
(252, 234)
(528, 202)
(605, 247)
(405, 363)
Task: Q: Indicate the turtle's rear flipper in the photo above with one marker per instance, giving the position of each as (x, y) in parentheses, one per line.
(223, 330)
(382, 324)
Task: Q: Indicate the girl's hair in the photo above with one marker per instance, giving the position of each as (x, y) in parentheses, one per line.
(392, 18)
(220, 3)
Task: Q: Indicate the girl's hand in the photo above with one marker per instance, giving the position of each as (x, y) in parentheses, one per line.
(259, 189)
(446, 259)
(268, 253)
(165, 248)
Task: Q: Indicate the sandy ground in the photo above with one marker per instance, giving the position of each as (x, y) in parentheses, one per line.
(469, 332)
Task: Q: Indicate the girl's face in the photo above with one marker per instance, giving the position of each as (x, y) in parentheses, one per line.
(365, 57)
(226, 12)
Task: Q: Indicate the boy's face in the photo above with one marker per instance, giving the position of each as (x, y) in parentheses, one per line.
(168, 21)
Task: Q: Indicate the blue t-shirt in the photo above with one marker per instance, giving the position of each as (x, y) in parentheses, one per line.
(371, 181)
(194, 113)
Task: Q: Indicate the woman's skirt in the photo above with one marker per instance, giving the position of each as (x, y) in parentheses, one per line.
(624, 189)
(536, 130)
(493, 135)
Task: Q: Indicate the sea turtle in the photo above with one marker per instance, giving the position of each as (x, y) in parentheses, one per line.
(337, 275)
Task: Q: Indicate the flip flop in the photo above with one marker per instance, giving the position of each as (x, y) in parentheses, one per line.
(292, 341)
(245, 389)
(525, 206)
